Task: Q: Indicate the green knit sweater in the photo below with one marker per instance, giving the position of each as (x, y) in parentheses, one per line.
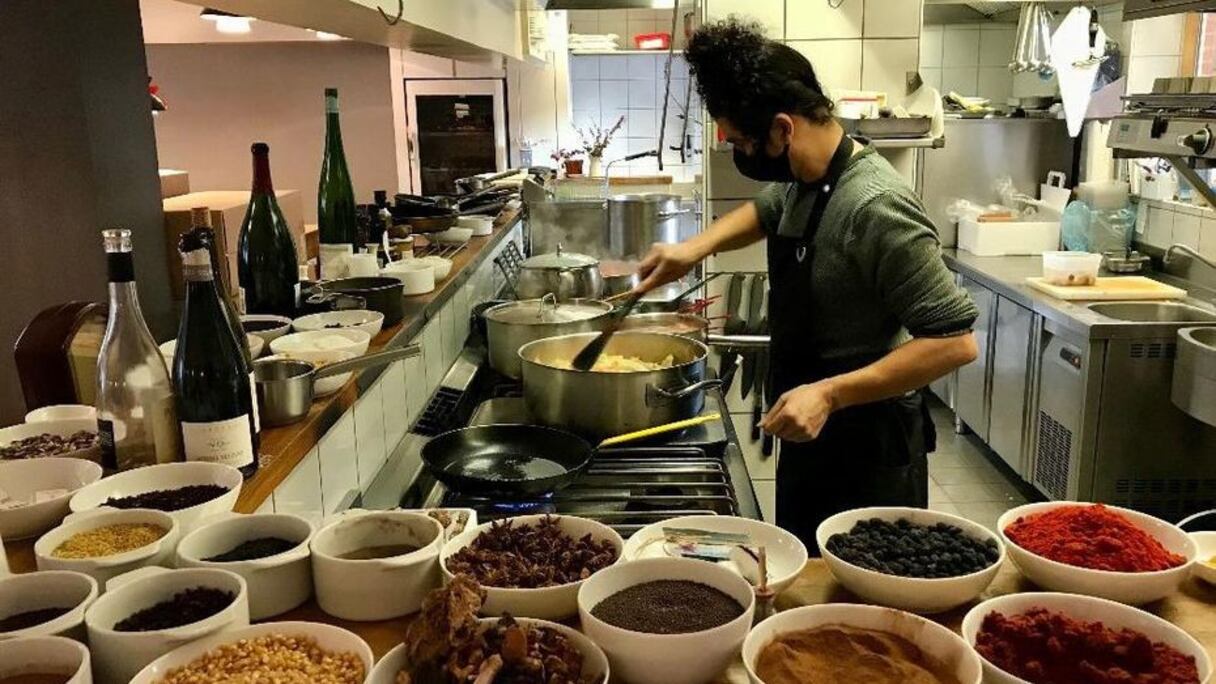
(878, 273)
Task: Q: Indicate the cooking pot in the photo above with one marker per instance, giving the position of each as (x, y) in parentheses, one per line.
(380, 293)
(602, 404)
(685, 325)
(511, 325)
(285, 387)
(565, 274)
(637, 221)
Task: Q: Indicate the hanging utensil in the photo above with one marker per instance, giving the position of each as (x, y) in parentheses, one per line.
(755, 312)
(735, 325)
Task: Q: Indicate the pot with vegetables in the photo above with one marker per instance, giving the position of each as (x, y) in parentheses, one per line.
(641, 380)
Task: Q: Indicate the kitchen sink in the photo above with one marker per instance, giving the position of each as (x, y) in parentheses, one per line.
(1154, 312)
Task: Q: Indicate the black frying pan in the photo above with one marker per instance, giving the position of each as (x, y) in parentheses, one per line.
(507, 460)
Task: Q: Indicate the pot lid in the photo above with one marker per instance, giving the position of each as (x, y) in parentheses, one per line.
(541, 312)
(559, 260)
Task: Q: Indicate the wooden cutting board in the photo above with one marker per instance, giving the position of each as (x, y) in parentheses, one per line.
(1109, 288)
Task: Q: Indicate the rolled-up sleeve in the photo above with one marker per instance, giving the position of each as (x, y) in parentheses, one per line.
(770, 205)
(895, 248)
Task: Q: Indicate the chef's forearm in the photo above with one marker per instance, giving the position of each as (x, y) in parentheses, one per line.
(736, 229)
(906, 368)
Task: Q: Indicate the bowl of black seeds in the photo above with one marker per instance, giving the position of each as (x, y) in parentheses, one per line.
(667, 620)
(151, 611)
(189, 492)
(912, 559)
(46, 603)
(270, 550)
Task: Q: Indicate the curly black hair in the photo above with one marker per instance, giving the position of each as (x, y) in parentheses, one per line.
(748, 79)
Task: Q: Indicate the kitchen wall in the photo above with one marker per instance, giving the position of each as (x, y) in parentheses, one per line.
(1156, 49)
(1161, 223)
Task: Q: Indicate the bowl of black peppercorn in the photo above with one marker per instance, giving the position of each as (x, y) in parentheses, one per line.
(912, 559)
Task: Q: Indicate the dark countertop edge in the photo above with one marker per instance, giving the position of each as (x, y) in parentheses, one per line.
(736, 466)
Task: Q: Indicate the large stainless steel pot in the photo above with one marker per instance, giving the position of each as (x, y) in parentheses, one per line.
(567, 275)
(635, 222)
(603, 404)
(511, 325)
(685, 325)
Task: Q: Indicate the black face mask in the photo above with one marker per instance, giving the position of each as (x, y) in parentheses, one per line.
(763, 168)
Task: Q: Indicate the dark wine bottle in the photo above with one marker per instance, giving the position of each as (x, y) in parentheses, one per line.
(337, 221)
(215, 402)
(266, 253)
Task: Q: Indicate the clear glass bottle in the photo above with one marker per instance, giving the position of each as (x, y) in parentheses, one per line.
(136, 413)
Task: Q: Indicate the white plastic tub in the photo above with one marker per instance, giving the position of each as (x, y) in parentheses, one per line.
(1071, 268)
(1008, 238)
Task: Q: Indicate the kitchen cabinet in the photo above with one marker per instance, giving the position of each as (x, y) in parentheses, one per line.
(971, 401)
(1010, 362)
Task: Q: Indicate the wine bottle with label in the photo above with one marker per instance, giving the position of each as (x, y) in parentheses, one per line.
(136, 414)
(267, 267)
(215, 401)
(337, 221)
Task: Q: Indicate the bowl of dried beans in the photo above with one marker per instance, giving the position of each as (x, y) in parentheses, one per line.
(1097, 550)
(532, 565)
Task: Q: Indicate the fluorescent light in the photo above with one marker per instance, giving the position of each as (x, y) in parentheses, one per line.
(227, 22)
(326, 35)
(663, 4)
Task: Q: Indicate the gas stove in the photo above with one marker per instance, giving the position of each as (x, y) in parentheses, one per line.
(699, 471)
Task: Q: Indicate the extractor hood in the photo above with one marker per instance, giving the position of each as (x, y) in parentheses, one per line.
(613, 4)
(1143, 9)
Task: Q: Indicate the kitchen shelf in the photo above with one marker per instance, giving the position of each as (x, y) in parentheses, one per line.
(908, 143)
(622, 52)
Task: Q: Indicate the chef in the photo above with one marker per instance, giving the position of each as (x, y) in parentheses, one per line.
(863, 312)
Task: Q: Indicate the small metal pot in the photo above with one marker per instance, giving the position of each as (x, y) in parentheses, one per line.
(511, 325)
(285, 386)
(381, 294)
(566, 275)
(605, 404)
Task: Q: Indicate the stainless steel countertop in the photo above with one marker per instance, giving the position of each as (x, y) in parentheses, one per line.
(1006, 276)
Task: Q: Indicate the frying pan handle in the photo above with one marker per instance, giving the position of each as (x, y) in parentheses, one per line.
(658, 395)
(366, 360)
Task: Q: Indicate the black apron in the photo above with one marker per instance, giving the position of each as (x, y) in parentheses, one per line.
(867, 455)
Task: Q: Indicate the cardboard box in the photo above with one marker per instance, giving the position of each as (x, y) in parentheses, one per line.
(227, 214)
(174, 182)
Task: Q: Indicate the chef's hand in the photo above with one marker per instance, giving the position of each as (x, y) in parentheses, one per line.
(666, 263)
(799, 415)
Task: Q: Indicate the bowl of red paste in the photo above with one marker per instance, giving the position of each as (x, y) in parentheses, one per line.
(1097, 550)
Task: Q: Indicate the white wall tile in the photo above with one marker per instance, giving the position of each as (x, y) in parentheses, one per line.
(640, 67)
(369, 434)
(885, 63)
(339, 470)
(932, 77)
(417, 393)
(614, 21)
(1158, 36)
(809, 20)
(584, 118)
(1207, 238)
(641, 95)
(996, 83)
(931, 47)
(766, 492)
(837, 62)
(432, 355)
(1159, 231)
(1186, 229)
(300, 493)
(584, 67)
(395, 404)
(996, 46)
(585, 95)
(641, 126)
(892, 18)
(614, 66)
(963, 80)
(447, 335)
(679, 69)
(769, 13)
(613, 95)
(960, 47)
(1143, 71)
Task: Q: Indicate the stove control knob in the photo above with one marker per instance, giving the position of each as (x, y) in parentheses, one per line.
(1199, 142)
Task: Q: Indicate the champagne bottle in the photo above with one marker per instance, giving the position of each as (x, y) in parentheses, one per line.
(336, 213)
(210, 374)
(266, 253)
(136, 415)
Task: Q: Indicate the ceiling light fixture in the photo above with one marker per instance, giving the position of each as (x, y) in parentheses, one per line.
(227, 22)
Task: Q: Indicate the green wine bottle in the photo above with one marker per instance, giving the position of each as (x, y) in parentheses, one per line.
(266, 253)
(336, 213)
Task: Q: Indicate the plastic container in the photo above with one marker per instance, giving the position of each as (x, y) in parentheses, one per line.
(1071, 268)
(652, 41)
(1003, 238)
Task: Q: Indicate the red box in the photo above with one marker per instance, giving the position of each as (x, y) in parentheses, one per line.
(652, 41)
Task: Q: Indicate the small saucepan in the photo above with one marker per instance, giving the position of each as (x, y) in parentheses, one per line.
(285, 386)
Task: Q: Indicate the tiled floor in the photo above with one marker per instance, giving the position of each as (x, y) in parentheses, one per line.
(962, 480)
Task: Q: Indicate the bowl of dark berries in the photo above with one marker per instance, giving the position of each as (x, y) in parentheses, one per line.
(64, 438)
(912, 559)
(532, 565)
(190, 492)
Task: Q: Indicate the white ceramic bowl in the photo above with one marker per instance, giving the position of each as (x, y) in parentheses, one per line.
(52, 589)
(61, 412)
(167, 349)
(51, 655)
(368, 321)
(322, 387)
(545, 603)
(380, 588)
(118, 656)
(271, 334)
(1205, 543)
(1135, 588)
(595, 663)
(481, 225)
(63, 427)
(441, 265)
(20, 479)
(416, 275)
(933, 595)
(167, 476)
(328, 637)
(666, 658)
(320, 343)
(1089, 609)
(786, 553)
(276, 583)
(453, 236)
(103, 568)
(935, 641)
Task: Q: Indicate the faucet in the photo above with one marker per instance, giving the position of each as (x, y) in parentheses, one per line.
(1189, 251)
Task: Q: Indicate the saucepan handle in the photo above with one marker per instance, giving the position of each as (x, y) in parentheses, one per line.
(664, 215)
(738, 341)
(658, 395)
(366, 360)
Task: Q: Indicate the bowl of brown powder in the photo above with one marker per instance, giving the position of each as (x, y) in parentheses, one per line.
(104, 543)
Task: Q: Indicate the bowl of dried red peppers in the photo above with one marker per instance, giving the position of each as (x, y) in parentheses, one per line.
(1097, 550)
(1050, 638)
